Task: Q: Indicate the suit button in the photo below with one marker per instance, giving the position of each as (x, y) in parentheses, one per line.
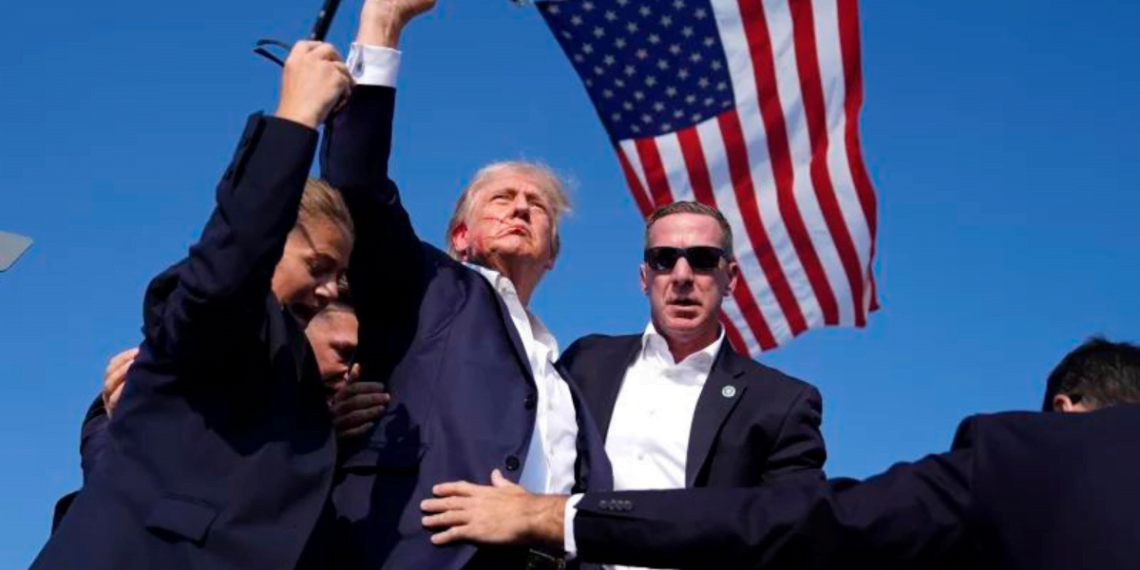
(531, 401)
(512, 462)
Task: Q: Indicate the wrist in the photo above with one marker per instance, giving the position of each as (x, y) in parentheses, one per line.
(546, 521)
(297, 116)
(380, 26)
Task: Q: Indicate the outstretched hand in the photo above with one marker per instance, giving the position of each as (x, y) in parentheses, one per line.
(502, 513)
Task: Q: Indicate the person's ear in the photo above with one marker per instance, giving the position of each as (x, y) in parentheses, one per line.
(460, 241)
(1065, 403)
(644, 272)
(733, 276)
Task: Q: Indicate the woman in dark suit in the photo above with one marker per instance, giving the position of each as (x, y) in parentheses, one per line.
(222, 454)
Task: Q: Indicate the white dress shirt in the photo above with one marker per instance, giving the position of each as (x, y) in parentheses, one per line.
(648, 437)
(549, 465)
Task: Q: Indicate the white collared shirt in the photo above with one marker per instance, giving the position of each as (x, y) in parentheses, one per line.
(549, 464)
(648, 437)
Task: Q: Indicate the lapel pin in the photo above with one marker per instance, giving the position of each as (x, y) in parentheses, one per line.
(728, 391)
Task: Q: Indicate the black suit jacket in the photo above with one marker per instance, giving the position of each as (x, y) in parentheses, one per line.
(1019, 491)
(463, 395)
(768, 428)
(221, 453)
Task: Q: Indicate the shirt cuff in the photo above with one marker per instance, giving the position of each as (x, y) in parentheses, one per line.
(373, 65)
(568, 543)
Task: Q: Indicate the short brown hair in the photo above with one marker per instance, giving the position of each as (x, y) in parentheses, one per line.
(689, 207)
(1099, 373)
(322, 201)
(548, 181)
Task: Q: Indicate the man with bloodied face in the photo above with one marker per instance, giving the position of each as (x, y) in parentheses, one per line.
(470, 368)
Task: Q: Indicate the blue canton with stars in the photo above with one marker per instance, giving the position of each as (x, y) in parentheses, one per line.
(651, 66)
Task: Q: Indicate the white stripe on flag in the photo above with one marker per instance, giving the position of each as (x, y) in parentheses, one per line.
(781, 32)
(630, 149)
(834, 89)
(748, 108)
(712, 141)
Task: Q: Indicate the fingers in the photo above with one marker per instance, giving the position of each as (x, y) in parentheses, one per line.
(456, 489)
(124, 356)
(326, 51)
(359, 395)
(112, 401)
(497, 480)
(115, 378)
(356, 431)
(444, 504)
(445, 519)
(453, 534)
(353, 375)
(349, 422)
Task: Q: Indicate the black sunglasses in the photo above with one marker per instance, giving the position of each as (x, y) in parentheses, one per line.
(700, 258)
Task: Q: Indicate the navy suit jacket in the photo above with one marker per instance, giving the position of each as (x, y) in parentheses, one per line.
(463, 395)
(221, 453)
(1019, 491)
(768, 428)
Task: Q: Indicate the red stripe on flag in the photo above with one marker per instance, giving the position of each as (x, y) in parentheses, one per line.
(853, 74)
(654, 172)
(699, 178)
(741, 173)
(733, 335)
(807, 63)
(634, 183)
(779, 152)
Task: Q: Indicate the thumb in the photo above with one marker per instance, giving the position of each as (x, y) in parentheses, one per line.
(497, 480)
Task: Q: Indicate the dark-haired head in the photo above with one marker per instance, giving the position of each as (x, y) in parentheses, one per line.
(1097, 374)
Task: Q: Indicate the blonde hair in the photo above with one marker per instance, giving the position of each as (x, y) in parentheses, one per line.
(320, 201)
(549, 183)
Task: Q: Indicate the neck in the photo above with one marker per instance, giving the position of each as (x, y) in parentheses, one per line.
(682, 346)
(523, 273)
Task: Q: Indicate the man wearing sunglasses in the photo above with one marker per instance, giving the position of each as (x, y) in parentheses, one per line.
(678, 406)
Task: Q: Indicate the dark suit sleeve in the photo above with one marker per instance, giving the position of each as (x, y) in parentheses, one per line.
(912, 516)
(92, 442)
(386, 269)
(204, 308)
(798, 447)
(94, 437)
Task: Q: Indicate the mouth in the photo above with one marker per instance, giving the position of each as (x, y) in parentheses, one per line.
(684, 303)
(514, 229)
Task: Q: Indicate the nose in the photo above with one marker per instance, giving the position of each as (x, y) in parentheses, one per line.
(521, 205)
(327, 290)
(682, 274)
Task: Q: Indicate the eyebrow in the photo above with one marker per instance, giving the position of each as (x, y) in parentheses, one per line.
(312, 245)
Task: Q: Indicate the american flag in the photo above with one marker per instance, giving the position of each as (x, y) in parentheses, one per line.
(751, 106)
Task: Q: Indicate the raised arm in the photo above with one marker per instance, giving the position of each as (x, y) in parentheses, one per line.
(387, 266)
(204, 307)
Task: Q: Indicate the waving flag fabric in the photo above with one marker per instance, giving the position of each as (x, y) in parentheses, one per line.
(750, 106)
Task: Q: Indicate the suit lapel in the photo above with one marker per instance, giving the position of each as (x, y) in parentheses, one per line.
(613, 374)
(722, 391)
(512, 331)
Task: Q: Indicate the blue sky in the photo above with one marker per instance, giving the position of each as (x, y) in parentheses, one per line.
(1000, 136)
